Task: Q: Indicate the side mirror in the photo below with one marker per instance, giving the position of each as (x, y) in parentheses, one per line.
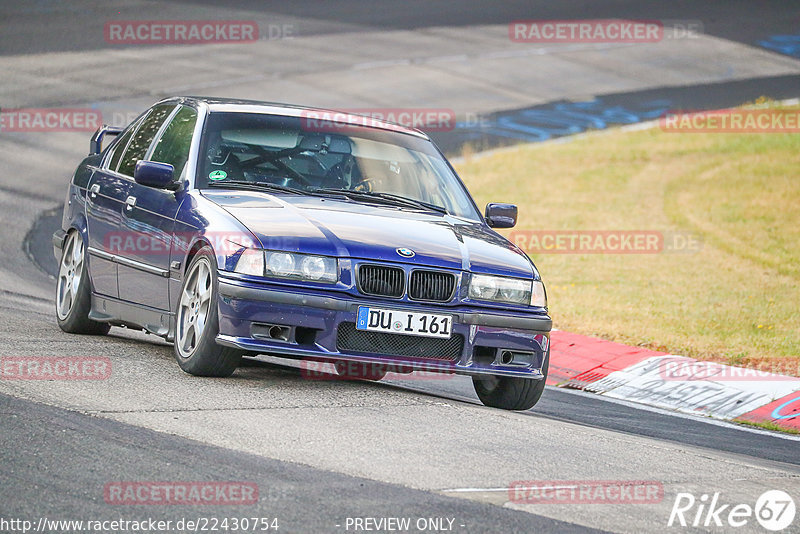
(154, 174)
(501, 215)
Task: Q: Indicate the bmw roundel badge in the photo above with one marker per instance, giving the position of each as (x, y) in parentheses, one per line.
(406, 252)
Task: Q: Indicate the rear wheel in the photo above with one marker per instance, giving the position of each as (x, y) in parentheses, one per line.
(197, 322)
(511, 393)
(73, 296)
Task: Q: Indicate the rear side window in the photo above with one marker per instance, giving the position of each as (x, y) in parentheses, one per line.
(173, 146)
(119, 149)
(144, 135)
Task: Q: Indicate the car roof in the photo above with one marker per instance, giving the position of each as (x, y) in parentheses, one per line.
(233, 105)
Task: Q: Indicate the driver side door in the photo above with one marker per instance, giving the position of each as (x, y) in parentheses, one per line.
(151, 217)
(145, 235)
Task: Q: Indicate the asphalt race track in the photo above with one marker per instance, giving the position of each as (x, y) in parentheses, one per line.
(323, 452)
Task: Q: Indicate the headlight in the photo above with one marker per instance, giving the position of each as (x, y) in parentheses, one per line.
(301, 267)
(280, 263)
(313, 267)
(538, 295)
(251, 262)
(499, 289)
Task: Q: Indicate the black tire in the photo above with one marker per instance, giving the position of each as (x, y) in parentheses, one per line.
(72, 307)
(511, 393)
(202, 356)
(360, 370)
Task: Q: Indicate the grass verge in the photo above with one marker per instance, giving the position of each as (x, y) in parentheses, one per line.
(735, 300)
(767, 425)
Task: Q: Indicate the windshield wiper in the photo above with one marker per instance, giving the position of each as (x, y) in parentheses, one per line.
(386, 197)
(259, 186)
(413, 201)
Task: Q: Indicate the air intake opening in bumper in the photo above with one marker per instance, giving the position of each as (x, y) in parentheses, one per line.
(348, 339)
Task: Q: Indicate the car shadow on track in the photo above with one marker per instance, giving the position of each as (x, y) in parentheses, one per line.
(293, 369)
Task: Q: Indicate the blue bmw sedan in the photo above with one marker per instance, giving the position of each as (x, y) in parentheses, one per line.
(236, 228)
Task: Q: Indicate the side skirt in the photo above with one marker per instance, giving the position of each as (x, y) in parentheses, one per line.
(121, 313)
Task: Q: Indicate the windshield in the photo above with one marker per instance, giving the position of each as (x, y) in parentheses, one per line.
(295, 152)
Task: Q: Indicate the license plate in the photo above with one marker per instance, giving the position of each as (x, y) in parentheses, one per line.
(402, 322)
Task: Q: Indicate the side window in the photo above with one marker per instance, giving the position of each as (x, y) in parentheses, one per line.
(119, 149)
(173, 146)
(143, 137)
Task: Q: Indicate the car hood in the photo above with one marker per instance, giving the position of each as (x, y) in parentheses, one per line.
(343, 228)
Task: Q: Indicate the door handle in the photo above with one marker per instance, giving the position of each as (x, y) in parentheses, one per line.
(94, 190)
(130, 202)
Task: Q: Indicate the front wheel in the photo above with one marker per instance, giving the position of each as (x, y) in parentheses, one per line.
(73, 296)
(511, 393)
(197, 322)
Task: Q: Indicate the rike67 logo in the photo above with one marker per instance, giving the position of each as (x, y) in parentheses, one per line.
(774, 510)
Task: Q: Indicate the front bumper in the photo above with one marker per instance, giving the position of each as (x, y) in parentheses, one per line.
(309, 325)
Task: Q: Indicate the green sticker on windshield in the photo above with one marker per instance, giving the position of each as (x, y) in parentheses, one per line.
(217, 175)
